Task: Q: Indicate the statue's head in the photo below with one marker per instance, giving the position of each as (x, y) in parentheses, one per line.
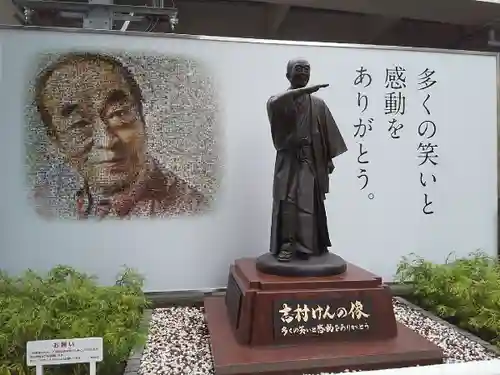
(298, 72)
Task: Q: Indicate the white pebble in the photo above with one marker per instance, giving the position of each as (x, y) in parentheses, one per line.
(456, 346)
(178, 343)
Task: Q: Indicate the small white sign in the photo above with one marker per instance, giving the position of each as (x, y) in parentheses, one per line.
(64, 351)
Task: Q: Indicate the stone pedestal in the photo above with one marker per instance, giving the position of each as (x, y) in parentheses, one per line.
(285, 325)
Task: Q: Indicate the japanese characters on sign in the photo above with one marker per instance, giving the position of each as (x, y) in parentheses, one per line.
(394, 109)
(63, 344)
(395, 99)
(64, 351)
(427, 145)
(363, 125)
(313, 318)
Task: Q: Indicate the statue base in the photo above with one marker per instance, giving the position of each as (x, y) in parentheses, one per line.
(327, 264)
(275, 325)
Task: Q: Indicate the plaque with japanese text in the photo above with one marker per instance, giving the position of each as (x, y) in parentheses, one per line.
(339, 316)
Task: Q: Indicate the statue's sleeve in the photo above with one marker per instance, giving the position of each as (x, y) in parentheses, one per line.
(334, 140)
(281, 113)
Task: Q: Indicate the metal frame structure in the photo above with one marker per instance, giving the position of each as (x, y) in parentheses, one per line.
(97, 14)
(239, 39)
(492, 40)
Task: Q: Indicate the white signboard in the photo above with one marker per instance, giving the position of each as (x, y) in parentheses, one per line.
(64, 351)
(420, 173)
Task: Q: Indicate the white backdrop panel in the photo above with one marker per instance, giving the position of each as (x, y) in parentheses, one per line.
(194, 253)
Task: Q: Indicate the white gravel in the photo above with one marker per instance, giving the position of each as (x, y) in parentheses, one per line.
(178, 342)
(456, 346)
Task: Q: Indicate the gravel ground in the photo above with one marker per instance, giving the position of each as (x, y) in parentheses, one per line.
(178, 342)
(456, 347)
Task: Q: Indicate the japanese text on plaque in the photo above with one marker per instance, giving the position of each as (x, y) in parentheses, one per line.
(319, 318)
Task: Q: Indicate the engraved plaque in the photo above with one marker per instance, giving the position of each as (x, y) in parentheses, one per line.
(340, 317)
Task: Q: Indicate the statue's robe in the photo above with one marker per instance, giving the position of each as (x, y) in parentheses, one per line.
(306, 139)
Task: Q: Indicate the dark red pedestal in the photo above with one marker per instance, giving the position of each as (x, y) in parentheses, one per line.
(344, 321)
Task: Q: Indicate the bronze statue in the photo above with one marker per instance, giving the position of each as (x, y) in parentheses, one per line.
(306, 139)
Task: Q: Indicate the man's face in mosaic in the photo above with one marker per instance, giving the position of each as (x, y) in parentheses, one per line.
(96, 122)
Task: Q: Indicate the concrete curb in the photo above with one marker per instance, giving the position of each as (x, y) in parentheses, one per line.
(134, 361)
(184, 299)
(437, 319)
(196, 297)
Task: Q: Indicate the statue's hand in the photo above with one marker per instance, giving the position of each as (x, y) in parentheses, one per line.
(312, 89)
(330, 167)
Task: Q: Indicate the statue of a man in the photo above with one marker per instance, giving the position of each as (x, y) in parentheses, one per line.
(306, 139)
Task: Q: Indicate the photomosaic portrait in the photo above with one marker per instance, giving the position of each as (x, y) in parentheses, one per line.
(121, 136)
